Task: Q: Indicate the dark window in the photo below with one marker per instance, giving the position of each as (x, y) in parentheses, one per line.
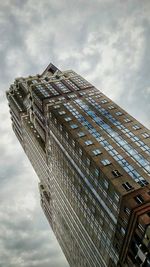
(141, 227)
(127, 186)
(127, 211)
(116, 173)
(139, 199)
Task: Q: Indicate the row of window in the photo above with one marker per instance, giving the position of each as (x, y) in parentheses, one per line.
(93, 223)
(80, 202)
(95, 173)
(118, 124)
(116, 137)
(96, 152)
(126, 185)
(80, 81)
(43, 90)
(51, 89)
(72, 95)
(69, 82)
(35, 97)
(105, 162)
(63, 87)
(47, 90)
(17, 104)
(124, 163)
(119, 113)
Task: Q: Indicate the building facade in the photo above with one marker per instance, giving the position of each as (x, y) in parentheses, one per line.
(93, 163)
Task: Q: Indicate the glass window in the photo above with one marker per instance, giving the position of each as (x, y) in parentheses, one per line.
(145, 135)
(105, 162)
(136, 127)
(34, 81)
(61, 98)
(62, 87)
(111, 107)
(116, 197)
(67, 135)
(56, 106)
(80, 151)
(74, 126)
(119, 113)
(73, 143)
(81, 134)
(80, 81)
(96, 96)
(116, 173)
(68, 119)
(127, 186)
(72, 95)
(141, 227)
(106, 184)
(127, 211)
(72, 85)
(122, 230)
(96, 172)
(139, 199)
(127, 120)
(96, 152)
(88, 161)
(62, 112)
(104, 101)
(88, 142)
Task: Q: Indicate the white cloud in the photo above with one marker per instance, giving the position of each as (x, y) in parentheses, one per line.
(105, 41)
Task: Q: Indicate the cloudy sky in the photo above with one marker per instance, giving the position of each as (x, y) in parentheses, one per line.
(106, 41)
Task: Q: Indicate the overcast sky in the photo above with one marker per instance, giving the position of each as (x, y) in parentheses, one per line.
(108, 43)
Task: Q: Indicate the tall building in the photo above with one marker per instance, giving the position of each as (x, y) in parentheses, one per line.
(93, 163)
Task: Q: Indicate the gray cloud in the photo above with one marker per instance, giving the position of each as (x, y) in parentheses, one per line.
(107, 42)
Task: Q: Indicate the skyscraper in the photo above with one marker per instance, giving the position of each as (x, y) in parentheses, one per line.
(93, 163)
